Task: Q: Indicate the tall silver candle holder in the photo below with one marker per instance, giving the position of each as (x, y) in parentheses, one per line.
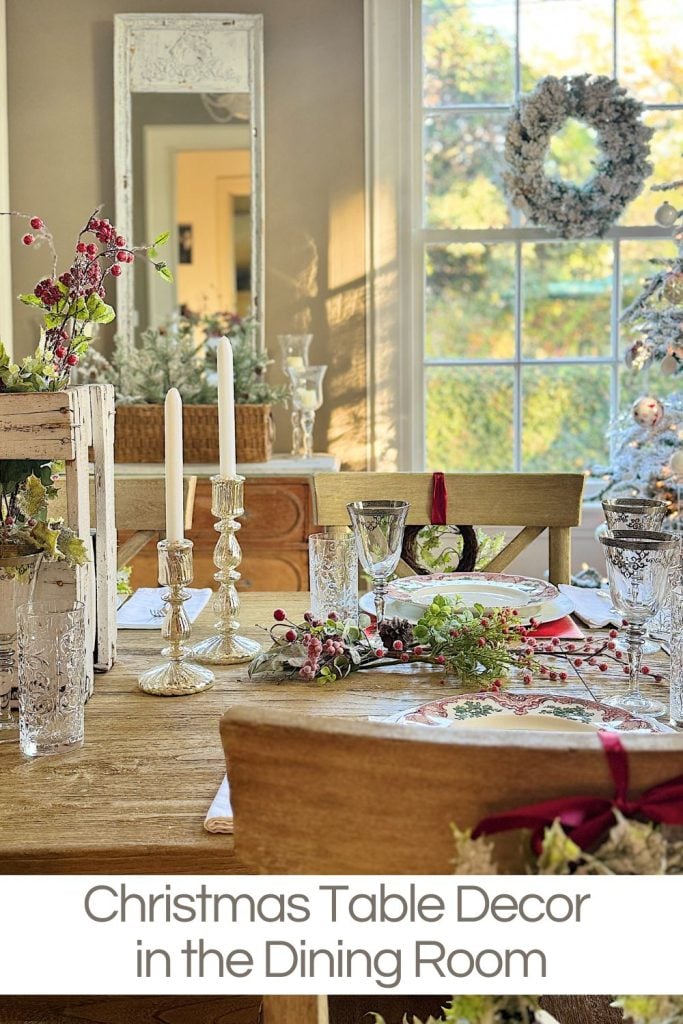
(177, 676)
(226, 647)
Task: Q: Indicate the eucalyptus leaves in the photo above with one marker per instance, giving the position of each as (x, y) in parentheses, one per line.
(567, 209)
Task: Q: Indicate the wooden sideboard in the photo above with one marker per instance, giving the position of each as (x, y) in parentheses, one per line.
(277, 521)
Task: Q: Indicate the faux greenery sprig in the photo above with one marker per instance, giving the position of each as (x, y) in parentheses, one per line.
(472, 643)
(479, 646)
(527, 1010)
(630, 847)
(486, 1010)
(651, 1009)
(25, 487)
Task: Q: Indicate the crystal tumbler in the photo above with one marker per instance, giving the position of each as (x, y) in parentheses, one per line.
(676, 677)
(334, 576)
(52, 688)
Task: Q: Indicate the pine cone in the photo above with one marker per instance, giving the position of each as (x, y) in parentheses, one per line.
(395, 629)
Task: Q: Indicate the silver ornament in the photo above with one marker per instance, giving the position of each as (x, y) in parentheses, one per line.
(666, 215)
(676, 463)
(669, 365)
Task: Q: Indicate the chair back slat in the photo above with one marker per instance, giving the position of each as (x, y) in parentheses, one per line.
(474, 499)
(534, 501)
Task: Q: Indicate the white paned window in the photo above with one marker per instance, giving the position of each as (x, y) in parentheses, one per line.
(514, 355)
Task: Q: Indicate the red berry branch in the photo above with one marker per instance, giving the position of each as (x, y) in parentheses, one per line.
(75, 299)
(477, 646)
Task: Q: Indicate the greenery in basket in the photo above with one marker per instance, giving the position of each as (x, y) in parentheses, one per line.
(72, 304)
(249, 364)
(142, 374)
(174, 356)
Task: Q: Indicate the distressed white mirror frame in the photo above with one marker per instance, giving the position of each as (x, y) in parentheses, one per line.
(156, 53)
(5, 255)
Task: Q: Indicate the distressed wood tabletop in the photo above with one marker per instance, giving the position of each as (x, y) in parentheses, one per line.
(134, 797)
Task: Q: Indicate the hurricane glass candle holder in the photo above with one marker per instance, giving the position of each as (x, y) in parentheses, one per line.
(307, 397)
(177, 676)
(225, 646)
(294, 356)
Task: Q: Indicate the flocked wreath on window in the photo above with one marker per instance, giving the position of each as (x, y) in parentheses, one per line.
(565, 208)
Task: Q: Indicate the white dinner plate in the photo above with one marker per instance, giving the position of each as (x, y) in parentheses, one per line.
(548, 612)
(492, 589)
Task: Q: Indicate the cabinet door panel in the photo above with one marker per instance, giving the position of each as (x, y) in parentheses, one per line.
(275, 511)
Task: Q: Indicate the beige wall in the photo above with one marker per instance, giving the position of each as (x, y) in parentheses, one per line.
(60, 70)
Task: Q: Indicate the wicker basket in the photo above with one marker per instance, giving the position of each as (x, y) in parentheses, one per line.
(139, 433)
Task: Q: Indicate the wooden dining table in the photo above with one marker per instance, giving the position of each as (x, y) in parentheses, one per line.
(134, 797)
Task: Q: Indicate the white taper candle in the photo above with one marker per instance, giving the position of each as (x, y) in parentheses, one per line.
(226, 410)
(173, 436)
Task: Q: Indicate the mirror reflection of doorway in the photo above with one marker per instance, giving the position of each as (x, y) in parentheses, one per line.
(197, 182)
(212, 194)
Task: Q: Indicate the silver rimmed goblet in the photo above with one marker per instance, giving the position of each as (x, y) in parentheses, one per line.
(637, 513)
(634, 513)
(637, 569)
(378, 527)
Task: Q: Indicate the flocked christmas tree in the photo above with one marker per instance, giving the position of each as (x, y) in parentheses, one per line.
(648, 439)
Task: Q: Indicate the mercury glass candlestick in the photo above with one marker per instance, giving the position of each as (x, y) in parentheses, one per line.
(225, 646)
(177, 676)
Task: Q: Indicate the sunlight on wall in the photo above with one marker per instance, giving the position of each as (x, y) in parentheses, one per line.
(384, 373)
(346, 391)
(298, 285)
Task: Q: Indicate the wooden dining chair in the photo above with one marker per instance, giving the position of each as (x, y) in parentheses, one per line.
(327, 796)
(140, 510)
(532, 501)
(308, 793)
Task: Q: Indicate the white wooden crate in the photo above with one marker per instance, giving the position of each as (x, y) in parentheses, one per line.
(64, 425)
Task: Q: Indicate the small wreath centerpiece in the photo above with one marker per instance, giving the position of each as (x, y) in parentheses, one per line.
(564, 207)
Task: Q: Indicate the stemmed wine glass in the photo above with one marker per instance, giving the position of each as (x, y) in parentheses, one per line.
(294, 356)
(378, 527)
(637, 568)
(637, 513)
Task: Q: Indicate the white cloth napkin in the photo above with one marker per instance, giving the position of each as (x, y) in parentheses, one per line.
(138, 611)
(594, 607)
(219, 818)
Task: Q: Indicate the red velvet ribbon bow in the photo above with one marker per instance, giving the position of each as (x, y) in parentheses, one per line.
(587, 818)
(439, 500)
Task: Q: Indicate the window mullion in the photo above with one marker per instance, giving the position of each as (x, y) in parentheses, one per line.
(616, 316)
(519, 311)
